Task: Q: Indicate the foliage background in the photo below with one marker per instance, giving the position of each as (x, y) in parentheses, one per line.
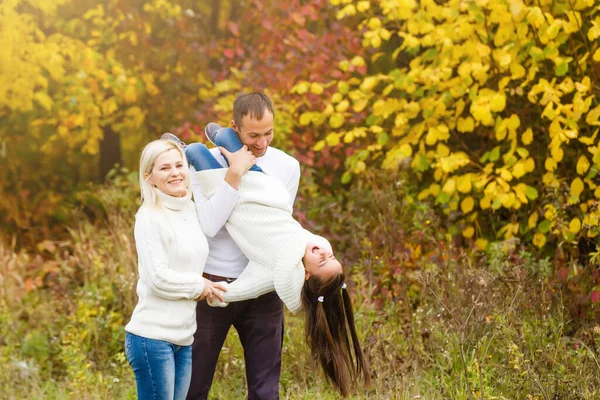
(449, 150)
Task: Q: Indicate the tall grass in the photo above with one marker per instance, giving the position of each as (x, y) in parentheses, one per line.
(437, 321)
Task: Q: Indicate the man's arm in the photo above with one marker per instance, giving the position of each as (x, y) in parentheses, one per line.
(213, 212)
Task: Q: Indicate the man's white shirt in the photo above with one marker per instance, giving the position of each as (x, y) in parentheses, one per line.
(224, 257)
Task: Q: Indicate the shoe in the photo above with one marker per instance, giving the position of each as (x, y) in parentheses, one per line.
(211, 131)
(173, 138)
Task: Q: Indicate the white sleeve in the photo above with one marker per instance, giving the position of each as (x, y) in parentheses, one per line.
(293, 182)
(153, 263)
(253, 282)
(213, 212)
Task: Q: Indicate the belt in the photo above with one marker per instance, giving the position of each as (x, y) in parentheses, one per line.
(217, 278)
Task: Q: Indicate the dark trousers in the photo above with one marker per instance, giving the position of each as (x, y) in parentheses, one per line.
(259, 323)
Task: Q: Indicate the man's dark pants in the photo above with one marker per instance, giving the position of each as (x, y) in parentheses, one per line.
(259, 323)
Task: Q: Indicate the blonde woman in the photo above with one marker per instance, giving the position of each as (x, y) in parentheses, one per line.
(172, 250)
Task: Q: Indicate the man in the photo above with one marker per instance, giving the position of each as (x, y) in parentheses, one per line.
(259, 322)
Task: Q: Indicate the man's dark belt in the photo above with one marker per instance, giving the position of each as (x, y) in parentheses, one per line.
(217, 278)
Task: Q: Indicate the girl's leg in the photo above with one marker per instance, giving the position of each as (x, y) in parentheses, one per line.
(183, 371)
(153, 364)
(227, 138)
(200, 157)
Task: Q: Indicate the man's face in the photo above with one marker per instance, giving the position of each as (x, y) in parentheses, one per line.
(256, 134)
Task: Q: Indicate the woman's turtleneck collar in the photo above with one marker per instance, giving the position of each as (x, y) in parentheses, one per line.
(174, 203)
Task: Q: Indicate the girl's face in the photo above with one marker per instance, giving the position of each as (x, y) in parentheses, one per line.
(320, 261)
(169, 175)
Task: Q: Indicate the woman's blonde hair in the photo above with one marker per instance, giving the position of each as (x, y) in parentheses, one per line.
(147, 160)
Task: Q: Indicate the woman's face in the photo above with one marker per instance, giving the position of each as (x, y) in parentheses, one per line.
(169, 175)
(320, 261)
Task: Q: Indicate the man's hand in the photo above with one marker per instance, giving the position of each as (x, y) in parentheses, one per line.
(212, 290)
(239, 163)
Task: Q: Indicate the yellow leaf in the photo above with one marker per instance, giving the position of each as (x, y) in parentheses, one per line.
(360, 167)
(532, 221)
(506, 175)
(129, 95)
(360, 104)
(437, 133)
(342, 106)
(332, 139)
(582, 165)
(368, 84)
(363, 6)
(464, 184)
(320, 145)
(449, 186)
(443, 150)
(485, 203)
(358, 61)
(550, 164)
(316, 88)
(593, 116)
(469, 232)
(467, 204)
(498, 102)
(596, 56)
(518, 170)
(527, 137)
(109, 106)
(576, 187)
(529, 165)
(465, 124)
(574, 225)
(336, 120)
(306, 118)
(405, 150)
(481, 244)
(44, 100)
(557, 153)
(539, 240)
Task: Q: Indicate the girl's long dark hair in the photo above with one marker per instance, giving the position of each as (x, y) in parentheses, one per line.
(331, 334)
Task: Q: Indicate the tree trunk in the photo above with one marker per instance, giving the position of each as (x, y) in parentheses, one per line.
(110, 151)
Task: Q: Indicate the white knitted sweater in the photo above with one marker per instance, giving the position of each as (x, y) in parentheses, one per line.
(262, 225)
(172, 251)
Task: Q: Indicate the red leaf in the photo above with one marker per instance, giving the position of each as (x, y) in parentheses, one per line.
(595, 296)
(234, 29)
(228, 53)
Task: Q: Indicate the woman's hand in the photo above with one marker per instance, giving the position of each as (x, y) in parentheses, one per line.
(212, 289)
(239, 163)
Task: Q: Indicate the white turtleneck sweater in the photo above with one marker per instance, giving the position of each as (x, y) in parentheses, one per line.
(172, 251)
(262, 225)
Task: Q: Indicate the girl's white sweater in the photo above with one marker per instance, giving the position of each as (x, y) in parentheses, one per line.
(262, 226)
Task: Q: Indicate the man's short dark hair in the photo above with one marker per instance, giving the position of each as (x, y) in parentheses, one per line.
(253, 104)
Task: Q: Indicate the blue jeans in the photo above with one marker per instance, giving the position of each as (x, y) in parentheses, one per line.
(162, 370)
(201, 158)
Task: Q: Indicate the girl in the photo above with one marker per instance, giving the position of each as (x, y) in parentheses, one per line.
(171, 252)
(299, 266)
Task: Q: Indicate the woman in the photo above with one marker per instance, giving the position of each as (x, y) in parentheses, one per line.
(283, 257)
(172, 250)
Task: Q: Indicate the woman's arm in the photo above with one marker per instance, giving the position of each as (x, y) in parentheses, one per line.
(153, 262)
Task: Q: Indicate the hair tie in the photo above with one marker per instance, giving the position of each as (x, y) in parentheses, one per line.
(344, 285)
(320, 299)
